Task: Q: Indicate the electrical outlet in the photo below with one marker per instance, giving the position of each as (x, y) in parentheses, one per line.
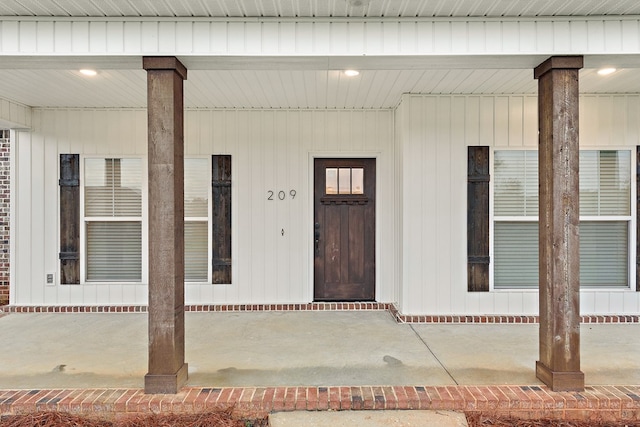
(51, 279)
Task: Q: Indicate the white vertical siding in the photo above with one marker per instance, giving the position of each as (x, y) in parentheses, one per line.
(421, 180)
(431, 142)
(271, 150)
(14, 115)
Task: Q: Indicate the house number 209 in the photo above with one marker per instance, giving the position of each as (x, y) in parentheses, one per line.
(281, 195)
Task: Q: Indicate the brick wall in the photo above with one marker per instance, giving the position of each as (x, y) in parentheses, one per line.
(4, 216)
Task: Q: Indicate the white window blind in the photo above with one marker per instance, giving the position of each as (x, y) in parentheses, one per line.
(113, 219)
(604, 253)
(196, 245)
(114, 251)
(197, 187)
(605, 201)
(515, 255)
(516, 183)
(113, 187)
(605, 186)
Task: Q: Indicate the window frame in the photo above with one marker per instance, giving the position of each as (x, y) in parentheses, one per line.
(144, 279)
(631, 220)
(208, 219)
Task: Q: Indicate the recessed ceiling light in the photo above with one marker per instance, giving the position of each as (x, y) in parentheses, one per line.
(88, 72)
(351, 73)
(606, 71)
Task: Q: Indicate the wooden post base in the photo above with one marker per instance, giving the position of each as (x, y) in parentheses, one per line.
(560, 381)
(166, 384)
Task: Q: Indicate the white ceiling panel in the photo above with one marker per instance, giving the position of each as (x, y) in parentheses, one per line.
(317, 8)
(268, 89)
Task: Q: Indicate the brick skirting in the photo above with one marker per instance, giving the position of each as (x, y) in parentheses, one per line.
(318, 306)
(602, 403)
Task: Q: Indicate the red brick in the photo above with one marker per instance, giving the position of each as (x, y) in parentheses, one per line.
(390, 399)
(267, 399)
(290, 399)
(458, 397)
(243, 401)
(200, 402)
(225, 396)
(423, 398)
(106, 401)
(401, 397)
(301, 398)
(345, 398)
(87, 404)
(278, 398)
(257, 398)
(312, 399)
(356, 398)
(413, 401)
(212, 399)
(235, 395)
(442, 398)
(42, 403)
(379, 401)
(324, 398)
(630, 414)
(334, 398)
(503, 400)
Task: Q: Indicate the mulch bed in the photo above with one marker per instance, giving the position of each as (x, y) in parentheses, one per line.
(217, 418)
(485, 420)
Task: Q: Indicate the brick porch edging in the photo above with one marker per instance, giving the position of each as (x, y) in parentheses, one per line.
(603, 403)
(317, 306)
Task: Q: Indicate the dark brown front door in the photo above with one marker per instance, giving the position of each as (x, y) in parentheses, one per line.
(344, 229)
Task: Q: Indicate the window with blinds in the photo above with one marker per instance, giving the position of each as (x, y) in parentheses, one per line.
(605, 218)
(197, 184)
(113, 220)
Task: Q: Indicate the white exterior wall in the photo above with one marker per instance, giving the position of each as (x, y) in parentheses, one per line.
(14, 115)
(271, 150)
(421, 182)
(432, 150)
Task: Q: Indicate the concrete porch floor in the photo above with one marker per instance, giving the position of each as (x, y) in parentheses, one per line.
(310, 360)
(260, 349)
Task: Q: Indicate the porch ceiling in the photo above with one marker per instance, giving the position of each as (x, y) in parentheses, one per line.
(299, 82)
(317, 8)
(294, 82)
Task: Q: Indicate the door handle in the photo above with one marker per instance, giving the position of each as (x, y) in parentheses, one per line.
(316, 236)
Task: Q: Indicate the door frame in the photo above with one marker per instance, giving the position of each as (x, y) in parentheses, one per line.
(310, 216)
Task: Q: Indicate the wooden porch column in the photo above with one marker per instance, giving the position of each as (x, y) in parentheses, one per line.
(167, 369)
(559, 364)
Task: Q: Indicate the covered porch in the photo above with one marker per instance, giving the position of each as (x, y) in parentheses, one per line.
(434, 67)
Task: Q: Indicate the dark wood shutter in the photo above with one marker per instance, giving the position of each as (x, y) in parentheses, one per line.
(638, 219)
(69, 219)
(221, 242)
(478, 219)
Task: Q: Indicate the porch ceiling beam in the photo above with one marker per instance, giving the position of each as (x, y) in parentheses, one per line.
(320, 37)
(559, 249)
(302, 62)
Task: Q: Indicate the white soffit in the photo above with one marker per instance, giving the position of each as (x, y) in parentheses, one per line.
(296, 88)
(317, 8)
